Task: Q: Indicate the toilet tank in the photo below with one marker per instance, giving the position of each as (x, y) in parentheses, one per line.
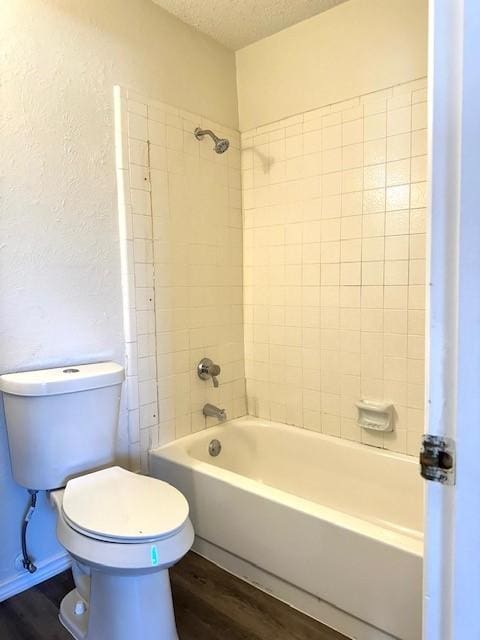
(61, 422)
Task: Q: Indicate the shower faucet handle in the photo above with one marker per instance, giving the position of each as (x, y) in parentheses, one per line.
(208, 369)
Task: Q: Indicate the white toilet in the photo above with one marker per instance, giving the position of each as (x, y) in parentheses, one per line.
(123, 530)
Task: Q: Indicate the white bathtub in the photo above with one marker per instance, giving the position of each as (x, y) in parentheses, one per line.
(332, 527)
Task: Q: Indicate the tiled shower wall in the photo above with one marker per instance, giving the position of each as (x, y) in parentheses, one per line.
(181, 221)
(334, 264)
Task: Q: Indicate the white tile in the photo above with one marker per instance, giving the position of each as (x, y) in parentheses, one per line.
(174, 138)
(418, 195)
(332, 137)
(397, 247)
(397, 223)
(399, 121)
(140, 200)
(373, 200)
(398, 172)
(142, 226)
(375, 151)
(157, 133)
(333, 255)
(158, 157)
(396, 272)
(398, 197)
(373, 225)
(398, 147)
(139, 177)
(138, 152)
(373, 248)
(419, 116)
(419, 142)
(353, 155)
(137, 127)
(419, 168)
(372, 273)
(374, 176)
(352, 132)
(375, 126)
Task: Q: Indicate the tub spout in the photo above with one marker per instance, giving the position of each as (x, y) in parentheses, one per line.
(214, 412)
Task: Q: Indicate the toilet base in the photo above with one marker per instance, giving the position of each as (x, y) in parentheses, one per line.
(121, 607)
(75, 623)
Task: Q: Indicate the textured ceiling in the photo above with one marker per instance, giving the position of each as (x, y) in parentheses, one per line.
(236, 23)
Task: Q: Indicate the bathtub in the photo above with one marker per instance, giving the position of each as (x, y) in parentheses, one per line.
(331, 527)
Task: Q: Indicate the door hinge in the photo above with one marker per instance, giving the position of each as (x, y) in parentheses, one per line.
(437, 459)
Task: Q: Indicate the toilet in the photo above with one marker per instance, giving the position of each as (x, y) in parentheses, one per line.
(122, 530)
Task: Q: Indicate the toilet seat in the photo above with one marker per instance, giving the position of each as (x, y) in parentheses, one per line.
(120, 555)
(116, 505)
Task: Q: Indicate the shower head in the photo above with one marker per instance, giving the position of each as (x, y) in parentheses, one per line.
(221, 144)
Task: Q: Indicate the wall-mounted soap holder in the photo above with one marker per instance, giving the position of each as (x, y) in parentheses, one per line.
(377, 416)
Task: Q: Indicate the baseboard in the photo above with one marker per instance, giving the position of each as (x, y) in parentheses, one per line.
(45, 569)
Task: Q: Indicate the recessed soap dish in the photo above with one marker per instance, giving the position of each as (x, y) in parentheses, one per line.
(377, 416)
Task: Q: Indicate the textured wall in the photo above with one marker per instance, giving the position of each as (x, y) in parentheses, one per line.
(60, 293)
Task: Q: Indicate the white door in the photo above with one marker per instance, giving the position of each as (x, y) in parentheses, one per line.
(452, 556)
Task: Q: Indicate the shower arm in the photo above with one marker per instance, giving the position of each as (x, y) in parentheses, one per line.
(201, 133)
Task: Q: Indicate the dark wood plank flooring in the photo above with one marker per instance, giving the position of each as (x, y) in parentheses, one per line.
(210, 604)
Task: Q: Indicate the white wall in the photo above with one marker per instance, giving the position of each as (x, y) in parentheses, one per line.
(350, 50)
(60, 295)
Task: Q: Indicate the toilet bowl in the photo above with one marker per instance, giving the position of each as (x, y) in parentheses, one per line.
(123, 531)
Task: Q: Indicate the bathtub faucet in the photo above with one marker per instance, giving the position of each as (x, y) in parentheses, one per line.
(214, 412)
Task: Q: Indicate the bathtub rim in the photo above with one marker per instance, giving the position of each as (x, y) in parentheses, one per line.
(287, 428)
(176, 452)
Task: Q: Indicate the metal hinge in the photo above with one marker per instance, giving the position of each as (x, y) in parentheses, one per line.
(437, 459)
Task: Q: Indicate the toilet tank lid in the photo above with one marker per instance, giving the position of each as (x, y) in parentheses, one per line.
(68, 379)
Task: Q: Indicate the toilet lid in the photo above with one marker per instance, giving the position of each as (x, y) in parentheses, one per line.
(124, 506)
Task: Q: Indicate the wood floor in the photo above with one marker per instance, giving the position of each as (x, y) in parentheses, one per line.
(210, 604)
